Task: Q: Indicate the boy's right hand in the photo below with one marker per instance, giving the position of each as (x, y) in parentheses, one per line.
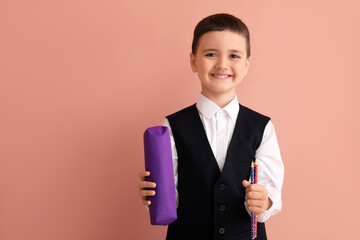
(143, 186)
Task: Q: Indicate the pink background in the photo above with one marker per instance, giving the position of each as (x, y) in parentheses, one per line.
(80, 81)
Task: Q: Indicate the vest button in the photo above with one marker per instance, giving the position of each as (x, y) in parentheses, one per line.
(222, 186)
(221, 231)
(222, 208)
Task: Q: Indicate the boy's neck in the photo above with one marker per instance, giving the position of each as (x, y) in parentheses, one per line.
(221, 100)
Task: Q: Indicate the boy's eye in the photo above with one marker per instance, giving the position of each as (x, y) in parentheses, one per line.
(234, 56)
(210, 55)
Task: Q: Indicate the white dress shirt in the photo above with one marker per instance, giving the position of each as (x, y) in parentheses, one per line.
(219, 124)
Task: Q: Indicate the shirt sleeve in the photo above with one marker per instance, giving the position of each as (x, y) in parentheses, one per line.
(174, 157)
(270, 170)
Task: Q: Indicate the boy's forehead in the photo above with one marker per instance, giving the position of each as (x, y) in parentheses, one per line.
(222, 39)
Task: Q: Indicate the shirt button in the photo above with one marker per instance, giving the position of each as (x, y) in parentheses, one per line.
(221, 231)
(222, 208)
(222, 186)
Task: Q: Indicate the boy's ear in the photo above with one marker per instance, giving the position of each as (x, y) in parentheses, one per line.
(247, 64)
(192, 62)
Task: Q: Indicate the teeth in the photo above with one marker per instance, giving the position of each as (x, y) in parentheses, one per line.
(221, 76)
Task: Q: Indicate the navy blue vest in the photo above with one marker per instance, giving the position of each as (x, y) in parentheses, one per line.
(211, 203)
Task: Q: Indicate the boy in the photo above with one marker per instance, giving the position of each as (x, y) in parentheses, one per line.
(215, 140)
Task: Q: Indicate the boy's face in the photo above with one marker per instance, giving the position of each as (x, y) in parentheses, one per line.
(221, 62)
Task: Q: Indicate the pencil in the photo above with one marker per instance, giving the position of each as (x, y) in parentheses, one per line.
(252, 181)
(256, 181)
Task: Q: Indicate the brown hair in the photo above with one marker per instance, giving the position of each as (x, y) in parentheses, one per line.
(220, 22)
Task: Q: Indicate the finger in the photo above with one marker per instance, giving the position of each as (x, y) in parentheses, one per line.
(256, 188)
(146, 202)
(144, 174)
(246, 183)
(145, 184)
(255, 203)
(146, 193)
(256, 195)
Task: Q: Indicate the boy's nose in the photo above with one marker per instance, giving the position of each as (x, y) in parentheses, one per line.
(222, 64)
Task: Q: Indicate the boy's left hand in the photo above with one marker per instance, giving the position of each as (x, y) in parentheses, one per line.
(257, 199)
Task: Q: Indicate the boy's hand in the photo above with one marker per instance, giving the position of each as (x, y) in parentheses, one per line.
(257, 199)
(144, 184)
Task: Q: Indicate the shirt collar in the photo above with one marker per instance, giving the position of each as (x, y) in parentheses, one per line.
(208, 108)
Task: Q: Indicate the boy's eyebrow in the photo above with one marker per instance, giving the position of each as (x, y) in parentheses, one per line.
(237, 51)
(209, 50)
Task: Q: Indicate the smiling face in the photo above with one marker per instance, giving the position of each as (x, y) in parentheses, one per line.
(220, 62)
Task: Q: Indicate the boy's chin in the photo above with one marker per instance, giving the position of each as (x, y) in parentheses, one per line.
(219, 92)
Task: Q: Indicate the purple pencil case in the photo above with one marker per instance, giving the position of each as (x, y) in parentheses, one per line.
(158, 161)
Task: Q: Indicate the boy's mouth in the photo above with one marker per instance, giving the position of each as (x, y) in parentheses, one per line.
(220, 75)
